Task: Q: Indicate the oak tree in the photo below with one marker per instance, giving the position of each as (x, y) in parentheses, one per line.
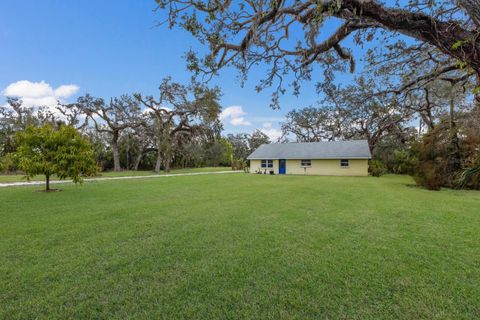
(179, 110)
(111, 118)
(291, 37)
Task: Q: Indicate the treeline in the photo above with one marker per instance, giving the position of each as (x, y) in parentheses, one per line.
(179, 129)
(431, 133)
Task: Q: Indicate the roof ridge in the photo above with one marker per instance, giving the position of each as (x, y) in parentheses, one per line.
(305, 142)
(358, 148)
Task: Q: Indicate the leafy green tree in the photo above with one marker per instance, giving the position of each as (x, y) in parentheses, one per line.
(311, 124)
(239, 142)
(50, 151)
(227, 151)
(244, 144)
(256, 139)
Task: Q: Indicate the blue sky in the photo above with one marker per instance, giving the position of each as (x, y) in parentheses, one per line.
(110, 47)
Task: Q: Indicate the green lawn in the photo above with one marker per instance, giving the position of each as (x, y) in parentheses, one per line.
(240, 246)
(21, 178)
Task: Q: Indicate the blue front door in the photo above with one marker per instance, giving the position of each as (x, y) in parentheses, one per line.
(282, 166)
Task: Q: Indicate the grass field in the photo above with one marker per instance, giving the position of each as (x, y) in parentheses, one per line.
(20, 177)
(240, 246)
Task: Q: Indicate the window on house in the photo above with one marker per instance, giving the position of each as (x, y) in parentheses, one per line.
(306, 163)
(267, 164)
(344, 163)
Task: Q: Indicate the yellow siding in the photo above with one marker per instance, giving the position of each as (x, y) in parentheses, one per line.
(357, 167)
(256, 165)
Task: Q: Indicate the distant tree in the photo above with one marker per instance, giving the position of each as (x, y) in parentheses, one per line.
(243, 143)
(219, 153)
(49, 151)
(240, 145)
(256, 139)
(361, 113)
(101, 148)
(178, 111)
(312, 124)
(351, 112)
(112, 118)
(16, 117)
(144, 139)
(72, 115)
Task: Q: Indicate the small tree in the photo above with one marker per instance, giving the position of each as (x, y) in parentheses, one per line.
(46, 150)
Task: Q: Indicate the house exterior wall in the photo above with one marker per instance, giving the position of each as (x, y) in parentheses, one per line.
(326, 167)
(256, 165)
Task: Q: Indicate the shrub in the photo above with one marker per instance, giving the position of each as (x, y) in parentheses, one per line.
(427, 175)
(440, 157)
(377, 168)
(238, 164)
(470, 176)
(7, 165)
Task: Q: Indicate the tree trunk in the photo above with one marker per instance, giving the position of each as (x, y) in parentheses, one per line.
(477, 93)
(138, 160)
(47, 182)
(167, 165)
(442, 34)
(159, 162)
(116, 154)
(420, 125)
(456, 157)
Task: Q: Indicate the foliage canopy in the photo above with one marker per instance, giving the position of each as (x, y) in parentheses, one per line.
(49, 151)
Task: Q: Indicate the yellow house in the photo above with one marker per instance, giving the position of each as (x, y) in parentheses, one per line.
(332, 158)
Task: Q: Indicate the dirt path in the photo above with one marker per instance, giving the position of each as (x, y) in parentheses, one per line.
(37, 183)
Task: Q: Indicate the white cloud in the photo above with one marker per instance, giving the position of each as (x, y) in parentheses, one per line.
(66, 90)
(271, 132)
(235, 116)
(36, 94)
(240, 121)
(232, 111)
(27, 89)
(267, 119)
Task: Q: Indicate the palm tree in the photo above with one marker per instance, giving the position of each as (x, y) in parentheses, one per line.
(470, 176)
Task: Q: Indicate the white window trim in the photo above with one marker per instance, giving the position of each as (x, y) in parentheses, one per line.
(267, 162)
(306, 166)
(348, 163)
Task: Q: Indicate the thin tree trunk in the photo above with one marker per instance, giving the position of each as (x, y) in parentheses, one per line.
(477, 93)
(138, 160)
(456, 156)
(167, 165)
(420, 125)
(116, 154)
(159, 162)
(47, 182)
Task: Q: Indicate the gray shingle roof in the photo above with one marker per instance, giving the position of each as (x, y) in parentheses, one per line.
(355, 149)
